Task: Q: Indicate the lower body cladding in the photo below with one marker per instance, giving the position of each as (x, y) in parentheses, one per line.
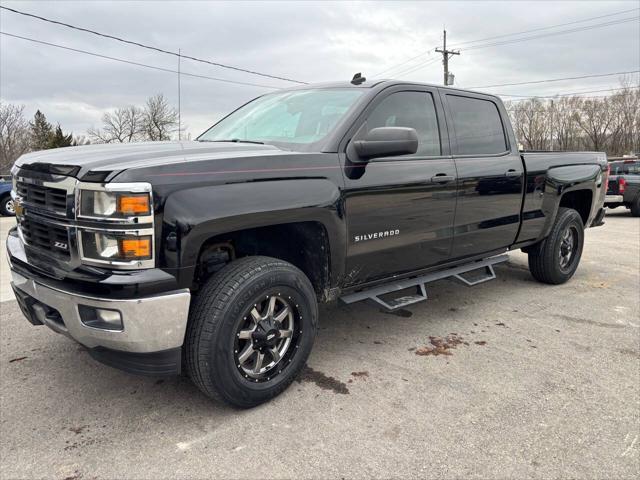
(142, 335)
(598, 221)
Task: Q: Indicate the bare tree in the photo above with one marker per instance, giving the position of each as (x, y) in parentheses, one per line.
(14, 135)
(123, 125)
(159, 119)
(81, 140)
(625, 106)
(566, 130)
(610, 124)
(531, 121)
(596, 116)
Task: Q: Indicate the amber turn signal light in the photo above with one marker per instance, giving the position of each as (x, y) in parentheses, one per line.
(133, 204)
(138, 248)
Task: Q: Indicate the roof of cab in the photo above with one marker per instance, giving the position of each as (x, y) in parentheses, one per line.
(368, 84)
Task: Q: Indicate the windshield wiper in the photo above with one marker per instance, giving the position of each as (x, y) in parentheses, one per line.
(234, 140)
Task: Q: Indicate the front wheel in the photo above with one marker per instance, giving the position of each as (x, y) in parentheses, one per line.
(556, 258)
(251, 329)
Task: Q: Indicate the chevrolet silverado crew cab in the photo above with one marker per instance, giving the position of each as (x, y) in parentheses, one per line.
(211, 256)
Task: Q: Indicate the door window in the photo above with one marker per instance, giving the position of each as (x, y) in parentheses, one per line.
(477, 125)
(410, 109)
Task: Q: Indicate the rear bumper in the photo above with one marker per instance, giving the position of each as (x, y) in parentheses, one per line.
(613, 199)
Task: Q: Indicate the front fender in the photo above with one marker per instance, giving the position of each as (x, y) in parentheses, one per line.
(194, 215)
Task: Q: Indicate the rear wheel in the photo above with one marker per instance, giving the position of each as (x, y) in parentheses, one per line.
(556, 258)
(251, 329)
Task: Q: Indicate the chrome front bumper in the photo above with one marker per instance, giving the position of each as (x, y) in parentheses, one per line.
(151, 324)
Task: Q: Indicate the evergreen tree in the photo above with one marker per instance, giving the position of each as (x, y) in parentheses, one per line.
(41, 132)
(59, 139)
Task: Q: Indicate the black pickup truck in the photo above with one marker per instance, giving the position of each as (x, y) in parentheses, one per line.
(211, 256)
(624, 186)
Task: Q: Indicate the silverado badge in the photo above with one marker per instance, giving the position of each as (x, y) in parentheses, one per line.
(375, 235)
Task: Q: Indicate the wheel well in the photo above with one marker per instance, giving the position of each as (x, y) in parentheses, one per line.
(580, 201)
(303, 244)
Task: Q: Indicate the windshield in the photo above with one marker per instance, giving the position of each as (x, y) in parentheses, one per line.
(292, 118)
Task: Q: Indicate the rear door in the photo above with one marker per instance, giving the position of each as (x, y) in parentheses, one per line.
(490, 174)
(400, 209)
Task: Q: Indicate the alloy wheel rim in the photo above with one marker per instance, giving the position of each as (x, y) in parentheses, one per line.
(10, 207)
(568, 247)
(266, 338)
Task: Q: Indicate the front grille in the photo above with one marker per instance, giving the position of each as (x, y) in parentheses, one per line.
(45, 236)
(45, 197)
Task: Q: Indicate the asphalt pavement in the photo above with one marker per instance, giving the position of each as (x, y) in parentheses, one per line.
(508, 379)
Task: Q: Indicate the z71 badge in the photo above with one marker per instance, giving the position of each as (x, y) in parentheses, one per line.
(376, 235)
(61, 245)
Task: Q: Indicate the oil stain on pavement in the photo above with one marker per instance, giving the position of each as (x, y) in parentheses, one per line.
(323, 381)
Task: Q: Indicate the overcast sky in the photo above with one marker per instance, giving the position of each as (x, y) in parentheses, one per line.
(307, 41)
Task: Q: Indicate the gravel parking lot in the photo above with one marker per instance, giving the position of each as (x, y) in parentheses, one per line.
(531, 381)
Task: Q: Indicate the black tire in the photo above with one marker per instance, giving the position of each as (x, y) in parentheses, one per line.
(216, 318)
(6, 206)
(547, 263)
(635, 207)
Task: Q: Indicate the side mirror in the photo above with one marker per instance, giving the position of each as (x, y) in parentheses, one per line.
(386, 142)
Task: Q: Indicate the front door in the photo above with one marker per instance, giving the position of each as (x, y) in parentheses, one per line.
(400, 210)
(490, 175)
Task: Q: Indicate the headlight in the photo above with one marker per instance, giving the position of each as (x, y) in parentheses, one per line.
(95, 203)
(115, 224)
(116, 247)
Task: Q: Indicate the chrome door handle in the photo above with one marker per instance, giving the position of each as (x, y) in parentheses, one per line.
(512, 173)
(442, 178)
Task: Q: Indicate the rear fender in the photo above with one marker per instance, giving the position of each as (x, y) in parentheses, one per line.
(562, 180)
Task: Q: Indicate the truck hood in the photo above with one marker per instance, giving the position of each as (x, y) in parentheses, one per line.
(114, 158)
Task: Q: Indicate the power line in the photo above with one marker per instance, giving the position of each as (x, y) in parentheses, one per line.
(514, 34)
(526, 97)
(546, 28)
(393, 67)
(413, 68)
(130, 62)
(589, 97)
(558, 79)
(149, 47)
(561, 32)
(419, 66)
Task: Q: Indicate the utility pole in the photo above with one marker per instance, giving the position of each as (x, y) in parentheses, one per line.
(179, 106)
(446, 55)
(551, 127)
